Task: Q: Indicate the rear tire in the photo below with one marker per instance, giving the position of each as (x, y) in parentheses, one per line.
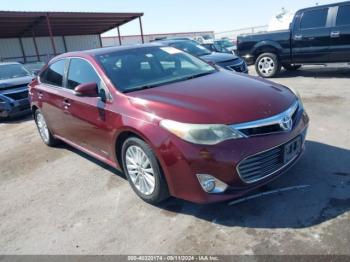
(267, 65)
(44, 132)
(290, 67)
(143, 171)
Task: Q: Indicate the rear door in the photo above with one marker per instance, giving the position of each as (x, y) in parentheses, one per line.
(340, 34)
(311, 36)
(51, 98)
(89, 122)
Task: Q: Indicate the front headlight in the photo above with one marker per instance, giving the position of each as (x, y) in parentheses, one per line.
(201, 134)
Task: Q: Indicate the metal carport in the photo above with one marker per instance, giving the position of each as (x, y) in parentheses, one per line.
(24, 35)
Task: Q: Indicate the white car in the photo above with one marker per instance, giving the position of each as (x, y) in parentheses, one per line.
(205, 39)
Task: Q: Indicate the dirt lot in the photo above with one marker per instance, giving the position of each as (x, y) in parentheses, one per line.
(60, 201)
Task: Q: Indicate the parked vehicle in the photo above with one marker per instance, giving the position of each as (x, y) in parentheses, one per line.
(317, 35)
(14, 80)
(174, 124)
(204, 39)
(221, 46)
(35, 67)
(227, 61)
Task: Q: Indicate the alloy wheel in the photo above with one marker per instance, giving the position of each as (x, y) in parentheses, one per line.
(42, 126)
(140, 170)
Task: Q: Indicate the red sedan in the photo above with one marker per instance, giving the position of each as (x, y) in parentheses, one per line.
(175, 125)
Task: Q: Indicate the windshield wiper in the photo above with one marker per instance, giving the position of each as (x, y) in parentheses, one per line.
(168, 82)
(199, 75)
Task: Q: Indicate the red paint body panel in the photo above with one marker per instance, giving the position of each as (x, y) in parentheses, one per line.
(221, 98)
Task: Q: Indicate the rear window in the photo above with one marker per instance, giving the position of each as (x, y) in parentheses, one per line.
(314, 19)
(343, 17)
(53, 75)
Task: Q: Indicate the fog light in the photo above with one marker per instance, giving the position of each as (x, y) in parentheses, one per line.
(211, 184)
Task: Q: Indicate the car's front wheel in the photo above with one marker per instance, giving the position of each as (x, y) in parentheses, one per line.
(143, 171)
(268, 65)
(43, 129)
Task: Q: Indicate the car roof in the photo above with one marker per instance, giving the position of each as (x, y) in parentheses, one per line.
(106, 50)
(322, 6)
(10, 63)
(172, 41)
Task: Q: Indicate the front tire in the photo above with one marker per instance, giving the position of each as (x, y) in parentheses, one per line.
(43, 129)
(143, 171)
(267, 65)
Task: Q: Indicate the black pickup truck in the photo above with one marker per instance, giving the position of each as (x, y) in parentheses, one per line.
(317, 35)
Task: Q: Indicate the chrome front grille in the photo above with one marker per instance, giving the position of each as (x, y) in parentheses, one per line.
(18, 95)
(238, 68)
(282, 122)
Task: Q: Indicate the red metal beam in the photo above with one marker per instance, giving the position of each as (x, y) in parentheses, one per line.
(50, 33)
(119, 37)
(141, 29)
(99, 37)
(64, 44)
(36, 47)
(22, 49)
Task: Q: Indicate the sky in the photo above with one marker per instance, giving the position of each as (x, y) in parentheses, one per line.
(168, 16)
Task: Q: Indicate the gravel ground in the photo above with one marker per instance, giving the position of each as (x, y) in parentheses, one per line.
(60, 201)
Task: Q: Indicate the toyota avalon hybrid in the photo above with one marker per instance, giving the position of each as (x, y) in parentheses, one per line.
(175, 125)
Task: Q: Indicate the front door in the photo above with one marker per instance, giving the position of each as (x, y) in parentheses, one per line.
(88, 116)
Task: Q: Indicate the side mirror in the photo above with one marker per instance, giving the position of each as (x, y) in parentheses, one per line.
(87, 89)
(213, 64)
(36, 72)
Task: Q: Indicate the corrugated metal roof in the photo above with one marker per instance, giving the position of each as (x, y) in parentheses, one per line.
(22, 24)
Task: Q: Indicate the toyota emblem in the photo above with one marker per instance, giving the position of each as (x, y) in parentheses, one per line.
(286, 123)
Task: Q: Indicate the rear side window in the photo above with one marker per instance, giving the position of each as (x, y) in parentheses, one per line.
(314, 19)
(343, 17)
(80, 72)
(53, 75)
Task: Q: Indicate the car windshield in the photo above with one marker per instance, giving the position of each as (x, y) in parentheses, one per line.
(9, 71)
(225, 43)
(142, 68)
(191, 47)
(207, 37)
(34, 67)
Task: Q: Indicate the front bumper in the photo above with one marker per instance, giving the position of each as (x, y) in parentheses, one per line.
(182, 161)
(238, 66)
(14, 108)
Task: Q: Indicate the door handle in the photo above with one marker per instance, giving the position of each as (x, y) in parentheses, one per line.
(66, 104)
(335, 34)
(298, 37)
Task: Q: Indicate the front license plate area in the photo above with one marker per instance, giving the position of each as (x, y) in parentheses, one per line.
(292, 149)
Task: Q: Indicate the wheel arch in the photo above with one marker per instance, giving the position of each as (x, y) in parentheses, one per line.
(119, 141)
(34, 108)
(127, 132)
(266, 47)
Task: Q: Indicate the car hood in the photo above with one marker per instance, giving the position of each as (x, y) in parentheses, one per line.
(8, 83)
(219, 57)
(219, 98)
